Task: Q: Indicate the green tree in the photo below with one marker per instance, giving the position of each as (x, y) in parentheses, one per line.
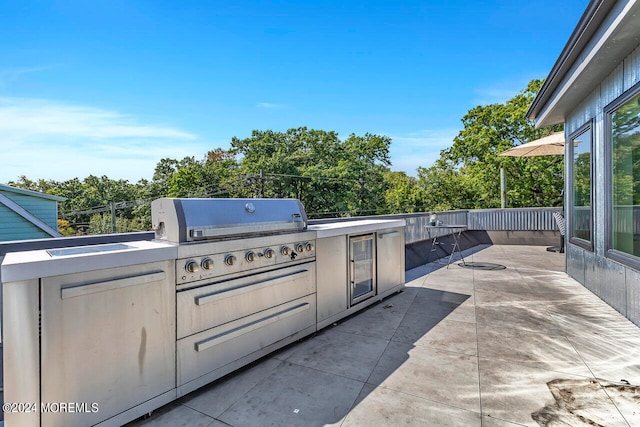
(92, 193)
(329, 175)
(444, 187)
(402, 193)
(162, 174)
(626, 153)
(193, 178)
(473, 157)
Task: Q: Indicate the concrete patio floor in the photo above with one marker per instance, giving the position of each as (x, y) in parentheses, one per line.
(525, 345)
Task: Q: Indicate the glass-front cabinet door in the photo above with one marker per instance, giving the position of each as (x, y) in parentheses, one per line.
(362, 267)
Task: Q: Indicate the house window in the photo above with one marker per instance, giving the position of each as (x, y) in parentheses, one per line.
(580, 147)
(623, 201)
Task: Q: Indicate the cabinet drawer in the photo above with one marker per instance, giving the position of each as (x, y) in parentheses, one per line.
(213, 305)
(214, 348)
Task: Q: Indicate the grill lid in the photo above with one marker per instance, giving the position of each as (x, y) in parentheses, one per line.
(188, 220)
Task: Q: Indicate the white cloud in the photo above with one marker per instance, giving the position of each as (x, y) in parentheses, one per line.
(35, 117)
(53, 140)
(269, 105)
(421, 148)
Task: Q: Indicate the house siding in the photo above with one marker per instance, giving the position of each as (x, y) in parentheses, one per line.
(15, 227)
(615, 283)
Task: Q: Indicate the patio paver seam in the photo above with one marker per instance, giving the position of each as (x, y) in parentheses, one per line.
(424, 398)
(599, 380)
(475, 311)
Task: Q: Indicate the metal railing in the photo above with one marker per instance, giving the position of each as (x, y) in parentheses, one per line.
(510, 219)
(416, 229)
(520, 219)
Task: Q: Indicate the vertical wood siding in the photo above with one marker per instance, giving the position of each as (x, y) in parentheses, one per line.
(632, 69)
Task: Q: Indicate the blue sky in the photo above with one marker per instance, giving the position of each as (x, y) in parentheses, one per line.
(111, 87)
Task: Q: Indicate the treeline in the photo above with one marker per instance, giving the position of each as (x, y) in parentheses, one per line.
(332, 177)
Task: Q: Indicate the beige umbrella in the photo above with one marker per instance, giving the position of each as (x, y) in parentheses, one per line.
(552, 145)
(547, 146)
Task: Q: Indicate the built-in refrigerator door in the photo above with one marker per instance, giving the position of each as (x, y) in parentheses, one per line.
(362, 255)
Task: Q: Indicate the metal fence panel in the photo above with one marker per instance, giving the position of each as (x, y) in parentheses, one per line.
(514, 219)
(511, 219)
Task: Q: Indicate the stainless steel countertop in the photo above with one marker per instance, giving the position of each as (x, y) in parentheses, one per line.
(354, 227)
(29, 265)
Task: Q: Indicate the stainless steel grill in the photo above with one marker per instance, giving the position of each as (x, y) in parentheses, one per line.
(189, 220)
(245, 281)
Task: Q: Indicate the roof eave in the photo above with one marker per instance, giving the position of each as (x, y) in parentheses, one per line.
(587, 26)
(26, 192)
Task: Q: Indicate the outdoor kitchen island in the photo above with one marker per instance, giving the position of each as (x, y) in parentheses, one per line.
(118, 330)
(359, 263)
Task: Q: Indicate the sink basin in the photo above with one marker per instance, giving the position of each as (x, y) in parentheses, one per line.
(84, 250)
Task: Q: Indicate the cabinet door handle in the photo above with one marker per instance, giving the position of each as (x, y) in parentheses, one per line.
(250, 327)
(217, 296)
(112, 284)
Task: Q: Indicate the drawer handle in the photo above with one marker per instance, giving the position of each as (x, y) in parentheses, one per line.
(220, 295)
(250, 327)
(109, 285)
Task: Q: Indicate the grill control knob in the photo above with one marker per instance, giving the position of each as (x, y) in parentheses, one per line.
(308, 246)
(250, 256)
(299, 247)
(269, 253)
(206, 264)
(191, 266)
(285, 250)
(230, 259)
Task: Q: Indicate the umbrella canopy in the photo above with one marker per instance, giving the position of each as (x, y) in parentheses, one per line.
(547, 146)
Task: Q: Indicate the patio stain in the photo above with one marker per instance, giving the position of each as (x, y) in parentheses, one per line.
(580, 402)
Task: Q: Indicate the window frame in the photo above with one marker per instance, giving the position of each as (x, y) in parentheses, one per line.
(584, 244)
(611, 253)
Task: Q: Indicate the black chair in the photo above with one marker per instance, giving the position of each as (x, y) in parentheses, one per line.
(560, 222)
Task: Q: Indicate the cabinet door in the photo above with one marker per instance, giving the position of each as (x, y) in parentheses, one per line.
(332, 276)
(107, 338)
(362, 269)
(390, 258)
